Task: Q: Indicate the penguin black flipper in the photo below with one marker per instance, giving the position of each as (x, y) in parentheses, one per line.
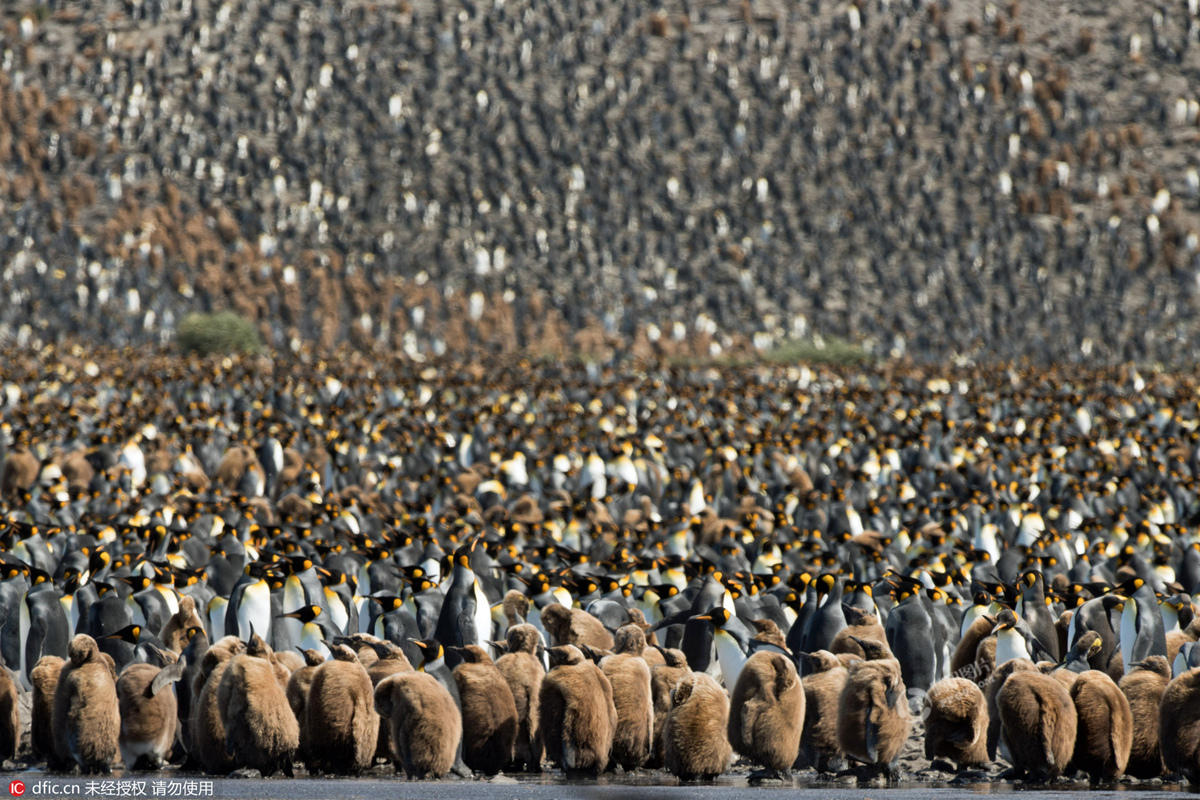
(166, 676)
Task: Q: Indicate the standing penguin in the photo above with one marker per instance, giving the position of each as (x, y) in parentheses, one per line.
(297, 689)
(340, 715)
(88, 723)
(207, 726)
(523, 671)
(766, 713)
(489, 712)
(695, 746)
(578, 717)
(824, 679)
(466, 616)
(956, 722)
(1038, 723)
(630, 679)
(828, 619)
(1179, 726)
(10, 717)
(261, 732)
(44, 677)
(1143, 686)
(1104, 726)
(1033, 609)
(149, 713)
(1142, 633)
(910, 635)
(425, 723)
(873, 717)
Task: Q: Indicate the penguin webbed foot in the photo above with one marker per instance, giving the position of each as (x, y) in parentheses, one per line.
(764, 775)
(462, 770)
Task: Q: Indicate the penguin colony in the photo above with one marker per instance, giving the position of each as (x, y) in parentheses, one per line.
(923, 177)
(457, 571)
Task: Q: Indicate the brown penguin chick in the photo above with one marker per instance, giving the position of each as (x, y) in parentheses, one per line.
(208, 727)
(662, 680)
(19, 471)
(10, 716)
(766, 712)
(44, 678)
(290, 660)
(390, 660)
(87, 723)
(1104, 726)
(297, 694)
(575, 626)
(261, 732)
(515, 606)
(174, 633)
(1037, 722)
(767, 632)
(630, 678)
(863, 626)
(985, 658)
(695, 746)
(425, 726)
(962, 663)
(873, 718)
(489, 712)
(523, 671)
(825, 678)
(630, 639)
(956, 722)
(340, 716)
(149, 713)
(1179, 725)
(257, 647)
(1143, 687)
(1177, 639)
(992, 688)
(577, 715)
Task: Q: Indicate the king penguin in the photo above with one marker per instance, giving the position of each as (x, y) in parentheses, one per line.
(466, 615)
(1142, 632)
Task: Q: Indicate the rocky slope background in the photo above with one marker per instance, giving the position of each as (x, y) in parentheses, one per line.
(924, 179)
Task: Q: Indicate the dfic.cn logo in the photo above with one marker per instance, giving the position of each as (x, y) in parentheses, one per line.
(16, 788)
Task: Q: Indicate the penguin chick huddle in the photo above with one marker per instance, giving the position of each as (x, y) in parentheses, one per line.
(238, 564)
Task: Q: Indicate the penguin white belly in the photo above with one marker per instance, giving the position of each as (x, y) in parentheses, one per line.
(483, 619)
(1010, 645)
(731, 658)
(339, 617)
(72, 611)
(311, 638)
(23, 639)
(290, 629)
(363, 604)
(216, 618)
(1128, 631)
(254, 612)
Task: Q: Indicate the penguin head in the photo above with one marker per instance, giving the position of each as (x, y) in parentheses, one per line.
(431, 651)
(388, 602)
(1005, 620)
(305, 614)
(719, 617)
(565, 654)
(130, 633)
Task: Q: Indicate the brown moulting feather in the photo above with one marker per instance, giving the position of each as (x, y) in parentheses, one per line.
(956, 722)
(87, 723)
(695, 746)
(1104, 726)
(340, 716)
(261, 732)
(663, 679)
(489, 712)
(207, 727)
(424, 723)
(1144, 686)
(575, 626)
(823, 683)
(149, 713)
(577, 716)
(44, 678)
(873, 718)
(523, 671)
(1179, 725)
(1038, 723)
(766, 711)
(630, 678)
